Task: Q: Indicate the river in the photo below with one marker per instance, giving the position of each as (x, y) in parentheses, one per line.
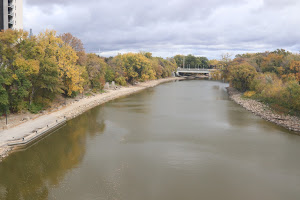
(181, 140)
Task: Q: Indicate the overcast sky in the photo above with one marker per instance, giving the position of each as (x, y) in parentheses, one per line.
(168, 27)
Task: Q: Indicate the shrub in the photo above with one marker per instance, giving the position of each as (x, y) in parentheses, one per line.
(267, 86)
(249, 94)
(121, 81)
(291, 96)
(35, 108)
(241, 76)
(74, 94)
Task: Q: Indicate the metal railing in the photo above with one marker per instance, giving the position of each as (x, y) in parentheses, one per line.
(11, 14)
(194, 69)
(38, 133)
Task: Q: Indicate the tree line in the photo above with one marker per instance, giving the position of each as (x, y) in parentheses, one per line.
(35, 70)
(191, 61)
(270, 77)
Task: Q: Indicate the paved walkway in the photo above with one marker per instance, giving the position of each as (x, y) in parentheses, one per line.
(26, 128)
(70, 111)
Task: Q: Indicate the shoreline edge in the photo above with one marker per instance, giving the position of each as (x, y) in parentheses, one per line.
(32, 130)
(292, 123)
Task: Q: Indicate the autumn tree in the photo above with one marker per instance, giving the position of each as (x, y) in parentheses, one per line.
(157, 65)
(214, 63)
(96, 68)
(272, 63)
(58, 69)
(14, 76)
(116, 66)
(137, 67)
(295, 69)
(292, 96)
(241, 76)
(224, 65)
(69, 71)
(76, 45)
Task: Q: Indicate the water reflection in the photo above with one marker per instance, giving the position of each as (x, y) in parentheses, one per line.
(139, 105)
(29, 174)
(238, 117)
(182, 140)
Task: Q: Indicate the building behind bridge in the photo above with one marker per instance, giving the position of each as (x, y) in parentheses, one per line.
(11, 14)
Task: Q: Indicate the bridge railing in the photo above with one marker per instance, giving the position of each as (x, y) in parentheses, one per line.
(194, 69)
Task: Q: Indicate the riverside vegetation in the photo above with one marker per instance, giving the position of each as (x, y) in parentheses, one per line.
(267, 84)
(270, 77)
(35, 70)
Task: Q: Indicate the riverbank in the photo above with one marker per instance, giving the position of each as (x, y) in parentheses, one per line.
(291, 123)
(26, 131)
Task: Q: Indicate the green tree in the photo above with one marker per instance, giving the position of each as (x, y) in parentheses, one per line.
(179, 60)
(291, 96)
(4, 103)
(18, 91)
(109, 75)
(15, 80)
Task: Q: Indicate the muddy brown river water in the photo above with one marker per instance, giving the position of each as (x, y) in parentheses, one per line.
(181, 140)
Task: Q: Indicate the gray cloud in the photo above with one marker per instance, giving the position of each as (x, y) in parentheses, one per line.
(201, 27)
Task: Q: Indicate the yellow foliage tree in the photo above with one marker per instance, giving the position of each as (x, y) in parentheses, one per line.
(137, 67)
(30, 66)
(272, 63)
(241, 76)
(69, 71)
(295, 69)
(52, 49)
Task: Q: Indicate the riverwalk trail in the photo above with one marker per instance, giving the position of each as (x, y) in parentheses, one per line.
(181, 140)
(33, 129)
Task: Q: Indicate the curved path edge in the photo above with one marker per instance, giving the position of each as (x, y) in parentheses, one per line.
(32, 130)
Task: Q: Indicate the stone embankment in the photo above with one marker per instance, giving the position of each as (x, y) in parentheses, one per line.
(291, 123)
(32, 129)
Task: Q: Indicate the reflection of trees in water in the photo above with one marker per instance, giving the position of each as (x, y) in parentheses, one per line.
(135, 103)
(95, 121)
(29, 174)
(238, 116)
(219, 92)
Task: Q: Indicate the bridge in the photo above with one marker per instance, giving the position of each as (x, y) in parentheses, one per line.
(194, 71)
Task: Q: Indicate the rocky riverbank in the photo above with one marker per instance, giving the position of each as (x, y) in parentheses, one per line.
(26, 130)
(291, 123)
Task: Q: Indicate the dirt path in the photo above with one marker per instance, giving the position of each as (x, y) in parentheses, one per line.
(26, 129)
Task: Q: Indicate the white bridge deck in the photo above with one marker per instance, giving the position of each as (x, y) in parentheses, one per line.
(181, 71)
